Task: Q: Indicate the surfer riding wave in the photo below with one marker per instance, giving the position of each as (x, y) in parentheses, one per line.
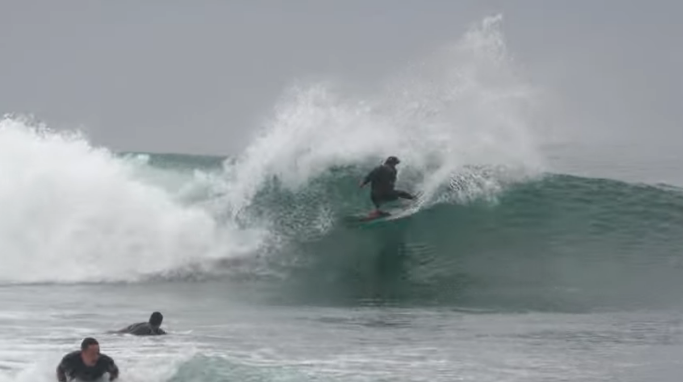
(382, 181)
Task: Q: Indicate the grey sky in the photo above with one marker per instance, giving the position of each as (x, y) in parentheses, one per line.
(197, 76)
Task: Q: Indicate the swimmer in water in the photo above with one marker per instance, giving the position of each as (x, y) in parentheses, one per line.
(150, 328)
(87, 364)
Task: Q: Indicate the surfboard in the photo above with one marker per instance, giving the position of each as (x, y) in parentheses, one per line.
(392, 214)
(401, 213)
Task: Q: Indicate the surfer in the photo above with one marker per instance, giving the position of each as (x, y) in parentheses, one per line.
(382, 181)
(150, 328)
(87, 364)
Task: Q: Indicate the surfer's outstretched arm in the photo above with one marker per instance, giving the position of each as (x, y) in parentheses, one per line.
(368, 178)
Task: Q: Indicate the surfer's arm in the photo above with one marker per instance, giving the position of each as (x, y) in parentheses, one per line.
(61, 370)
(61, 374)
(368, 178)
(66, 366)
(112, 369)
(113, 372)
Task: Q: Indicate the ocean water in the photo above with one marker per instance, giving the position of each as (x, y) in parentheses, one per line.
(508, 269)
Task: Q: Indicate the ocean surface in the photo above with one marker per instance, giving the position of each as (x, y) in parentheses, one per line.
(507, 269)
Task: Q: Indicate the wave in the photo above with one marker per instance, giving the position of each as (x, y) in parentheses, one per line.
(555, 242)
(494, 226)
(75, 213)
(487, 237)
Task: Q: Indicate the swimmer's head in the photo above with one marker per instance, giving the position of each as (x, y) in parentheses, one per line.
(90, 351)
(155, 319)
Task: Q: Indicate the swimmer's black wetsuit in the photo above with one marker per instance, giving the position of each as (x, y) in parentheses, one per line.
(382, 180)
(72, 366)
(143, 329)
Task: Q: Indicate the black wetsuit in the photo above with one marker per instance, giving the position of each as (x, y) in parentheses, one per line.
(72, 366)
(382, 180)
(143, 329)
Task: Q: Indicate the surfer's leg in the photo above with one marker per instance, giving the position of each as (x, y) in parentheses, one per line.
(376, 201)
(379, 199)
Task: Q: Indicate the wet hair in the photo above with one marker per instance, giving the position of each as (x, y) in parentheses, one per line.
(88, 342)
(156, 318)
(392, 160)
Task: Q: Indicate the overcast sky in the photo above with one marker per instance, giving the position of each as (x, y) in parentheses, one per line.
(198, 76)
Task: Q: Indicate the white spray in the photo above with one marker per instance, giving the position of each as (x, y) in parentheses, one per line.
(463, 106)
(71, 212)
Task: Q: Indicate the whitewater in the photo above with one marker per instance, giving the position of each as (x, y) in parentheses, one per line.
(507, 270)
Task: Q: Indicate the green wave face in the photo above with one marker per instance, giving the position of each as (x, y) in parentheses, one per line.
(557, 242)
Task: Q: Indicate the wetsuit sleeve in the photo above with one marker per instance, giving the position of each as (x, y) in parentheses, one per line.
(370, 177)
(112, 369)
(63, 367)
(61, 373)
